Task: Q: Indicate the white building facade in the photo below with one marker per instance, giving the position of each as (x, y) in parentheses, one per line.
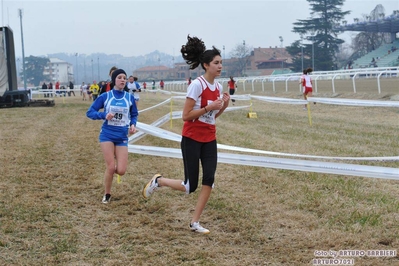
(58, 70)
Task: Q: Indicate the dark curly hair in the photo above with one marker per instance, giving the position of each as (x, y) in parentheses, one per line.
(194, 52)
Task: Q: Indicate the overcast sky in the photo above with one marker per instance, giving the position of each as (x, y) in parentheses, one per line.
(133, 28)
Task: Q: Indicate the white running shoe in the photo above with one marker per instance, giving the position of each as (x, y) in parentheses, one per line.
(151, 186)
(196, 227)
(106, 198)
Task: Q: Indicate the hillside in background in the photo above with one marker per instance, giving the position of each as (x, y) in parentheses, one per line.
(96, 66)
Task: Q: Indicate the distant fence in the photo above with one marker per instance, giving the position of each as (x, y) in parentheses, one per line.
(39, 93)
(259, 82)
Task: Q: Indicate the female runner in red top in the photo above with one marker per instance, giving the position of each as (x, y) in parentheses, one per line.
(205, 101)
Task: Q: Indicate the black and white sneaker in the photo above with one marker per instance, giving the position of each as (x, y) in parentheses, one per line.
(106, 198)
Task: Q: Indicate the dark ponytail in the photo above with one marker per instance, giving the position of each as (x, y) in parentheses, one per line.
(194, 52)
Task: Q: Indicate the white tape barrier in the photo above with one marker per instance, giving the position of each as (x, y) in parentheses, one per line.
(53, 91)
(281, 163)
(155, 106)
(179, 93)
(162, 103)
(352, 102)
(347, 102)
(166, 118)
(279, 100)
(42, 92)
(183, 97)
(179, 97)
(158, 132)
(233, 148)
(244, 97)
(161, 133)
(164, 92)
(156, 90)
(156, 124)
(233, 108)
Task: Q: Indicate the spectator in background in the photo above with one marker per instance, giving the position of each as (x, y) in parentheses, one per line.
(83, 91)
(44, 88)
(189, 81)
(350, 64)
(137, 91)
(102, 85)
(144, 85)
(130, 84)
(95, 90)
(57, 87)
(153, 84)
(50, 87)
(88, 91)
(63, 91)
(71, 89)
(134, 88)
(161, 84)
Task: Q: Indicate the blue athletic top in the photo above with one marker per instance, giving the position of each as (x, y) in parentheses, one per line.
(120, 103)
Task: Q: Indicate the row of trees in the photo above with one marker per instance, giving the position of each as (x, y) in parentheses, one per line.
(318, 42)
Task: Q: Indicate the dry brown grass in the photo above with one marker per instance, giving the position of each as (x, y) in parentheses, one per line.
(51, 187)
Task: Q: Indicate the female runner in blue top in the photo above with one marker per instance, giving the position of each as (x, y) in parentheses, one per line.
(120, 115)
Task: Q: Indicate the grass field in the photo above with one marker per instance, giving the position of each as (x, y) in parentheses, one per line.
(52, 183)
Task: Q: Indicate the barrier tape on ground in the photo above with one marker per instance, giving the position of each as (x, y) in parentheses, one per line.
(281, 163)
(277, 163)
(179, 97)
(157, 90)
(279, 100)
(180, 93)
(155, 106)
(243, 97)
(352, 102)
(162, 133)
(233, 108)
(138, 135)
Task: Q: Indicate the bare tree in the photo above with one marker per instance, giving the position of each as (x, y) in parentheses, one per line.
(366, 42)
(240, 56)
(343, 55)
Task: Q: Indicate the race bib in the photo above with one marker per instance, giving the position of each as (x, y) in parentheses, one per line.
(121, 116)
(209, 117)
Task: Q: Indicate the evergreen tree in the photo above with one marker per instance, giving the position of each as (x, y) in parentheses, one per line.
(320, 30)
(34, 68)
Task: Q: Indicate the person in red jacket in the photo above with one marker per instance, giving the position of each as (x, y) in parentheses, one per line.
(205, 101)
(57, 87)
